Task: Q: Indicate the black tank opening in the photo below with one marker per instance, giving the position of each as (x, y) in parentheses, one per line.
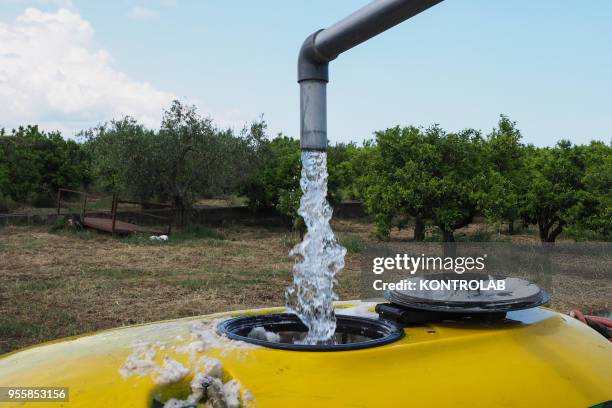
(352, 332)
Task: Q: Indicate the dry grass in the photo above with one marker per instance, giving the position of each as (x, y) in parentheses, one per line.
(231, 201)
(56, 285)
(61, 284)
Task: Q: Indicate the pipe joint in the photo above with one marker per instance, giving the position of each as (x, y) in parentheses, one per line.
(312, 65)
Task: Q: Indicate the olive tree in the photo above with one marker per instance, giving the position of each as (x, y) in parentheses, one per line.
(189, 157)
(124, 159)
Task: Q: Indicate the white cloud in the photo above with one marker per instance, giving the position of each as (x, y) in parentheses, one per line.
(143, 13)
(52, 73)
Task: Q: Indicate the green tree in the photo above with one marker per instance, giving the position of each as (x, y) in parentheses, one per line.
(198, 159)
(187, 154)
(4, 170)
(457, 181)
(555, 189)
(35, 164)
(591, 217)
(394, 186)
(4, 178)
(23, 163)
(276, 184)
(63, 163)
(426, 175)
(123, 158)
(187, 158)
(505, 180)
(342, 168)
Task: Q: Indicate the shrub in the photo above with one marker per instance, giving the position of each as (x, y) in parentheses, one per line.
(58, 225)
(354, 244)
(6, 204)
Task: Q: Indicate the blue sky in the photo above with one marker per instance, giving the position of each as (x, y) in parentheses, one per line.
(547, 64)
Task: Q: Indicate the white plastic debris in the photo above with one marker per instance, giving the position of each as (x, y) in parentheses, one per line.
(160, 238)
(175, 403)
(210, 367)
(215, 398)
(247, 398)
(193, 349)
(259, 333)
(208, 373)
(140, 362)
(197, 389)
(171, 372)
(231, 392)
(206, 334)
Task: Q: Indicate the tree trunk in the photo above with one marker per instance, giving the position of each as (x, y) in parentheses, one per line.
(549, 234)
(543, 232)
(556, 231)
(449, 245)
(181, 211)
(419, 229)
(182, 206)
(510, 227)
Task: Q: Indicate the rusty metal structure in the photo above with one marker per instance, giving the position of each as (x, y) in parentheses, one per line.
(111, 224)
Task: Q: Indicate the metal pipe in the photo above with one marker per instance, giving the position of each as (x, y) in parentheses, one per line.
(323, 46)
(313, 115)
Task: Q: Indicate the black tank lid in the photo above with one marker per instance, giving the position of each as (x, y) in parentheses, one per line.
(517, 294)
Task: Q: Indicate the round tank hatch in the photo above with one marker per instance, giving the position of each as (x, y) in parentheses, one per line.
(285, 331)
(467, 293)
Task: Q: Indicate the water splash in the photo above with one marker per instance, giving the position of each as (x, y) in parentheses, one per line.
(319, 256)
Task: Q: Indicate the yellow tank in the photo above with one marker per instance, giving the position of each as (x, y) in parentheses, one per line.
(541, 359)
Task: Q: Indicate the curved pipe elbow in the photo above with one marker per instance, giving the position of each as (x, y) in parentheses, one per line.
(312, 65)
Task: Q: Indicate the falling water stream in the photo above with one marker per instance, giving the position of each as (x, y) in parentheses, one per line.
(319, 256)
